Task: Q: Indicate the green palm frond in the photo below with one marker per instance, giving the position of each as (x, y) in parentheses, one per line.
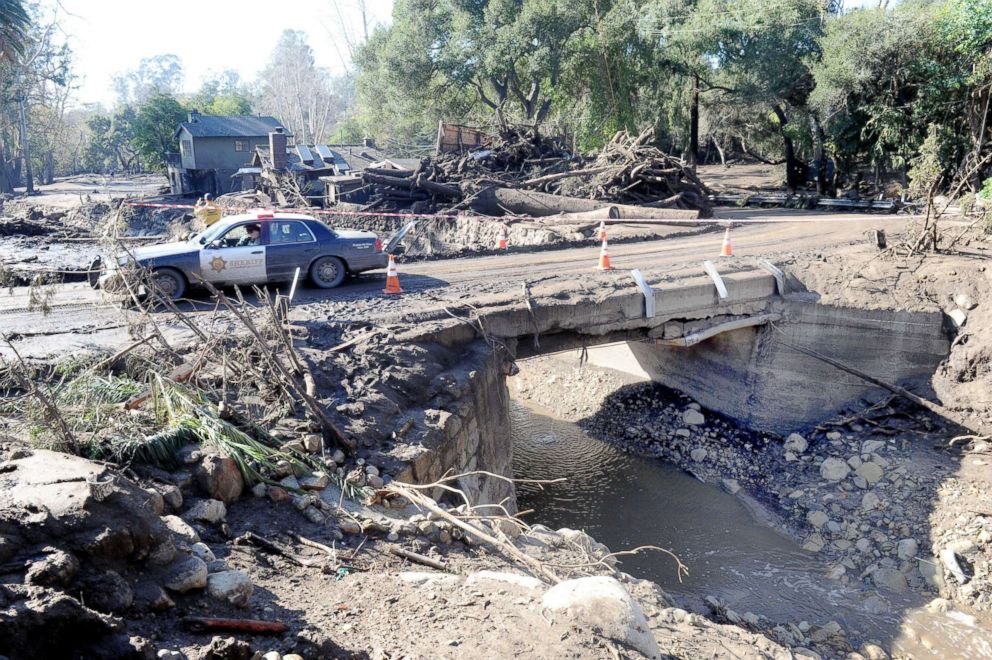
(14, 24)
(256, 456)
(94, 390)
(159, 449)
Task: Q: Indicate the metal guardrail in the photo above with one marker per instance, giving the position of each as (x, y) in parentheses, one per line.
(809, 200)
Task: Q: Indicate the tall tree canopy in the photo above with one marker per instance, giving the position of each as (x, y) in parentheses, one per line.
(301, 94)
(161, 74)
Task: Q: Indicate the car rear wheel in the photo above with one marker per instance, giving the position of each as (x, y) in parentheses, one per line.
(328, 272)
(170, 283)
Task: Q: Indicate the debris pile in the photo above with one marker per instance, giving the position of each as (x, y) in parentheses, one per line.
(631, 171)
(498, 178)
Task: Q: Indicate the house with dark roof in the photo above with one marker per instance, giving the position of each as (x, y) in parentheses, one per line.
(212, 148)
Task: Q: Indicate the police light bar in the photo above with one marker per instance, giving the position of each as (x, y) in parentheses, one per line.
(265, 215)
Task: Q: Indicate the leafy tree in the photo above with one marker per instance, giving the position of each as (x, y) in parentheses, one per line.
(457, 59)
(402, 90)
(889, 77)
(764, 50)
(154, 128)
(222, 95)
(112, 142)
(614, 76)
(966, 25)
(33, 86)
(867, 82)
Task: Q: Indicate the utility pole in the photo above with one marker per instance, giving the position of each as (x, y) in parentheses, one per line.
(365, 20)
(25, 148)
(693, 155)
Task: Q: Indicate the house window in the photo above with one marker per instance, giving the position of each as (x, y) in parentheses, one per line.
(241, 145)
(186, 146)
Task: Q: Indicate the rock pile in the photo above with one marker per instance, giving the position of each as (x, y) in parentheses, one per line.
(80, 545)
(861, 500)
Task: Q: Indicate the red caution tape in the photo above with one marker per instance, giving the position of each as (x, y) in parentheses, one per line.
(680, 221)
(233, 209)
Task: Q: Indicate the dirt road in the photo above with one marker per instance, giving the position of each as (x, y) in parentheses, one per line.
(81, 318)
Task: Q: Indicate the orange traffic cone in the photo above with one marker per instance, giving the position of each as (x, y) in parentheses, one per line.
(501, 243)
(601, 232)
(392, 278)
(726, 250)
(604, 255)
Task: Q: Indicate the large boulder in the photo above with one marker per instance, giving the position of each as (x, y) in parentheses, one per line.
(208, 511)
(57, 569)
(889, 578)
(232, 586)
(181, 529)
(834, 469)
(601, 603)
(49, 499)
(38, 622)
(107, 591)
(693, 417)
(185, 574)
(220, 478)
(795, 443)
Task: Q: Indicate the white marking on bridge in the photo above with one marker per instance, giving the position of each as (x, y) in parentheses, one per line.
(647, 291)
(776, 273)
(714, 274)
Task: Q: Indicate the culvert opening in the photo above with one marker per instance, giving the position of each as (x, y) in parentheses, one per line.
(773, 540)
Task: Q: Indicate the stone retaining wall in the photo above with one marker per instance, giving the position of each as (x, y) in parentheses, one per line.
(473, 434)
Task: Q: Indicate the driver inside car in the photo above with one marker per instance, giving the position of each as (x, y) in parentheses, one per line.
(252, 238)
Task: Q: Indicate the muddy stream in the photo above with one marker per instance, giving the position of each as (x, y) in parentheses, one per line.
(732, 551)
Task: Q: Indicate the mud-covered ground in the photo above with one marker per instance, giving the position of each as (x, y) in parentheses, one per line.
(125, 561)
(958, 283)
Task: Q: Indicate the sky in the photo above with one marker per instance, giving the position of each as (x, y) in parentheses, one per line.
(111, 36)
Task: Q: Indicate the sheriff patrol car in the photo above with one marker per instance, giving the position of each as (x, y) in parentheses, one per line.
(258, 247)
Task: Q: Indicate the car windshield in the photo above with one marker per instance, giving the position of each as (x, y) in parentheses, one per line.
(212, 232)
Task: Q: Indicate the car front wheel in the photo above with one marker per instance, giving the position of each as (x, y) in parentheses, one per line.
(327, 272)
(170, 283)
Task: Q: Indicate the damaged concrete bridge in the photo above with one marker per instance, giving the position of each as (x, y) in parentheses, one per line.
(726, 340)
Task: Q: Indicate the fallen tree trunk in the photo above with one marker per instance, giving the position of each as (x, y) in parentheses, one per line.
(424, 183)
(495, 201)
(549, 178)
(410, 183)
(383, 171)
(605, 213)
(647, 213)
(593, 222)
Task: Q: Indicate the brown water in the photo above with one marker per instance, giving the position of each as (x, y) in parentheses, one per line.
(626, 501)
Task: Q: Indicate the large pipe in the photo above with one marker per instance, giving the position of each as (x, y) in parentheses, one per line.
(698, 336)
